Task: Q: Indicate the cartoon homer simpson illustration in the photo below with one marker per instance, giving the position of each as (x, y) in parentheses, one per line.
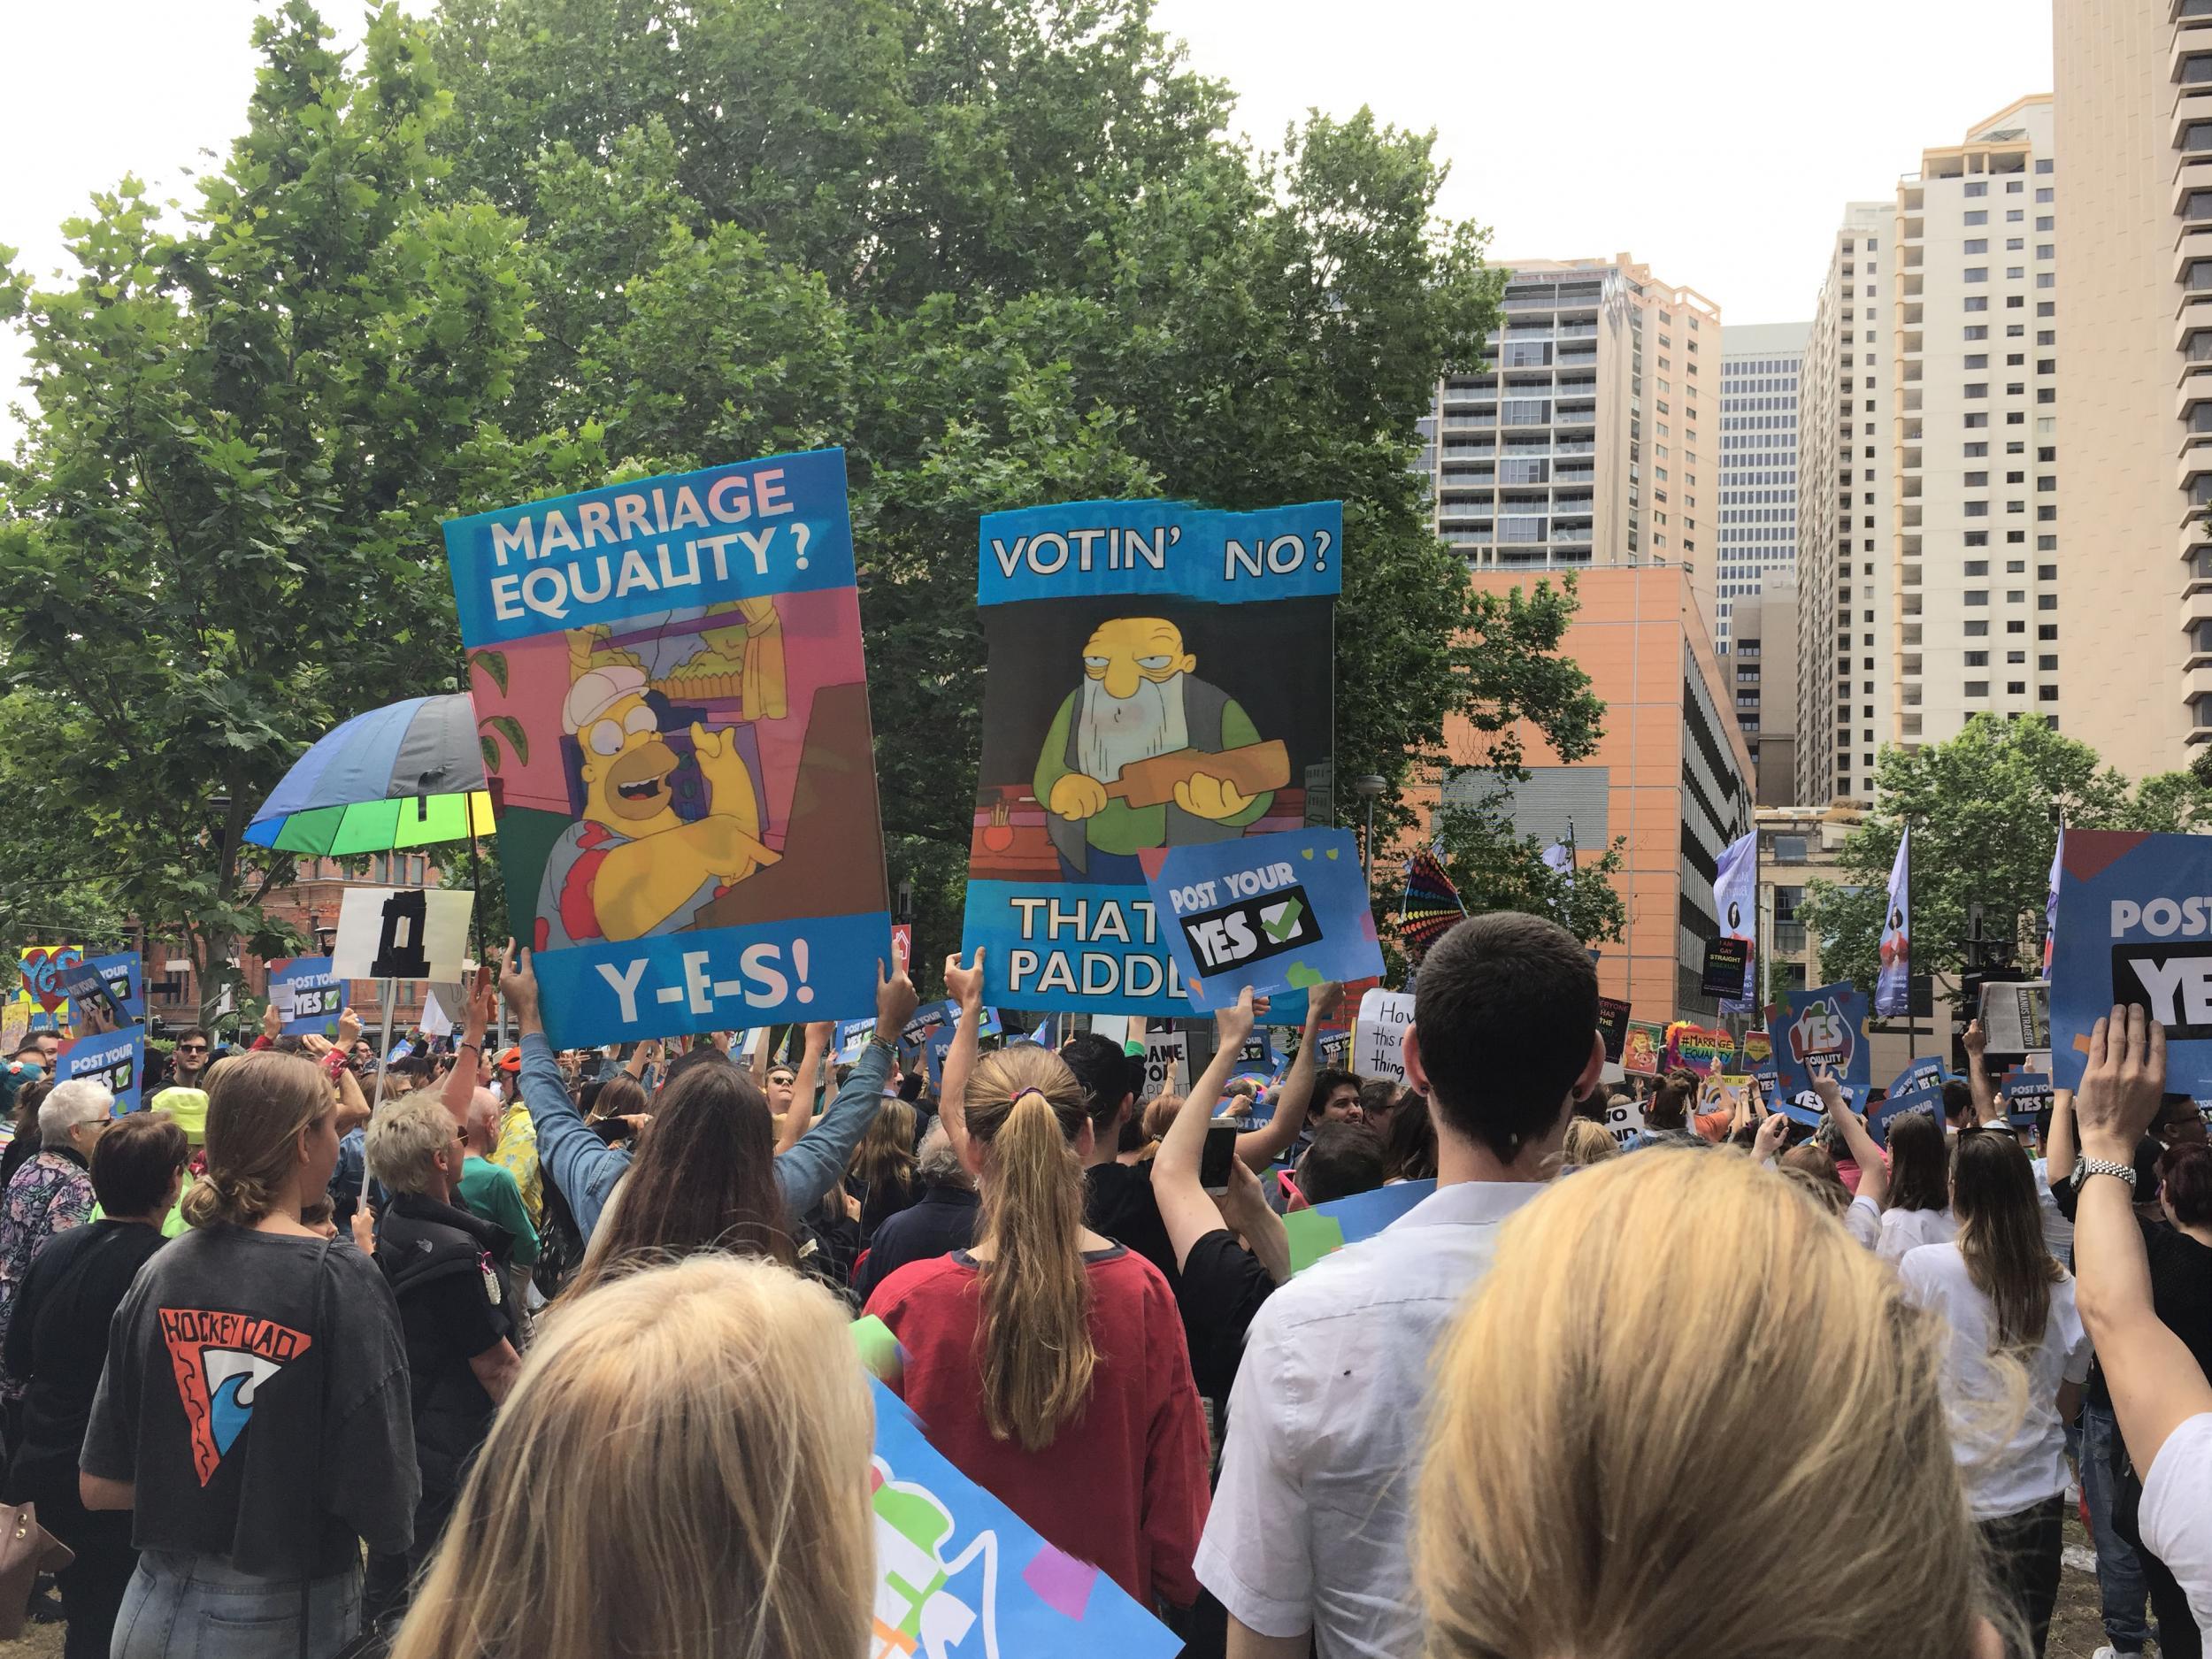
(1139, 702)
(631, 866)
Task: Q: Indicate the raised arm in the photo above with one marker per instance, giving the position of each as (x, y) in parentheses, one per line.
(2059, 1154)
(460, 1083)
(1261, 1147)
(2155, 1383)
(800, 1118)
(817, 1162)
(965, 985)
(1977, 1044)
(1873, 1172)
(1187, 1211)
(583, 1166)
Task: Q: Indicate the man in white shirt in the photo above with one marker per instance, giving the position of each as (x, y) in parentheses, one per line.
(1307, 1540)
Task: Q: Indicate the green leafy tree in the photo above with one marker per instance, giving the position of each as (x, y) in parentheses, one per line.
(1982, 806)
(219, 534)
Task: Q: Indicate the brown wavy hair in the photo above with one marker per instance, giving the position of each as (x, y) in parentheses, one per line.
(884, 1157)
(2001, 1235)
(1025, 1110)
(257, 1104)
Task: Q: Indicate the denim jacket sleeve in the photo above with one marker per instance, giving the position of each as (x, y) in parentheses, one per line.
(811, 1168)
(582, 1165)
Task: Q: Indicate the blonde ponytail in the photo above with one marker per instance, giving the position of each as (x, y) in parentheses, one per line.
(1034, 1350)
(257, 1106)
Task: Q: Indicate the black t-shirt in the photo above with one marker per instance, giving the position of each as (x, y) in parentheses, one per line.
(57, 1342)
(1120, 1204)
(256, 1395)
(1222, 1287)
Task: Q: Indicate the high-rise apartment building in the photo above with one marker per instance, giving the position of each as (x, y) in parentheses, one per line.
(1974, 600)
(1761, 670)
(2134, 120)
(1844, 476)
(1593, 439)
(1760, 365)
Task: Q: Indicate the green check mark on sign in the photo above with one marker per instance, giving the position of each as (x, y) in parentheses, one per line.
(1281, 920)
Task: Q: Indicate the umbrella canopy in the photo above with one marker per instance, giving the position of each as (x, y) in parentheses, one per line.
(407, 775)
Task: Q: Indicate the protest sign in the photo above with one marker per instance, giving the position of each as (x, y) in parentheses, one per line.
(1166, 1060)
(1918, 1074)
(309, 996)
(1727, 962)
(1698, 1050)
(2133, 927)
(1613, 1023)
(2017, 1015)
(114, 1059)
(853, 1036)
(1824, 1026)
(1755, 1051)
(401, 933)
(2026, 1095)
(116, 982)
(39, 1000)
(1379, 1034)
(669, 682)
(1926, 1099)
(1641, 1050)
(1137, 698)
(1279, 912)
(1323, 1229)
(1623, 1119)
(960, 1576)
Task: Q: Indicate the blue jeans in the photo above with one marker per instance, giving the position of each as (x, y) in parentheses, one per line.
(2120, 1582)
(193, 1607)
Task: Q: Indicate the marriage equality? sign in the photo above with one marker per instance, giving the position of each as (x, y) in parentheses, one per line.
(1159, 679)
(2134, 926)
(671, 690)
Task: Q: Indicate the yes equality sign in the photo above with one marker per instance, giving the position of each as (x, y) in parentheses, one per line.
(2134, 926)
(1276, 912)
(1825, 1026)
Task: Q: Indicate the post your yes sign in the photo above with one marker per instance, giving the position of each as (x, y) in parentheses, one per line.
(1277, 912)
(2134, 926)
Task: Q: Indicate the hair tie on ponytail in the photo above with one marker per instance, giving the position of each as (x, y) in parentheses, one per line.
(1015, 1098)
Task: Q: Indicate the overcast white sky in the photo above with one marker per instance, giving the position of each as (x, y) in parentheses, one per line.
(1718, 138)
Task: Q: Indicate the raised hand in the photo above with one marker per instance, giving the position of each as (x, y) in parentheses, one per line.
(2120, 1090)
(965, 983)
(1233, 1024)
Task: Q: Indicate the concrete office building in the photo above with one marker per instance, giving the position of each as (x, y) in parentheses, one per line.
(1974, 600)
(1762, 666)
(1593, 437)
(1671, 775)
(1760, 363)
(2134, 120)
(1844, 477)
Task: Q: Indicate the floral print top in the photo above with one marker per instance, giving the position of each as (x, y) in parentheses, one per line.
(49, 1194)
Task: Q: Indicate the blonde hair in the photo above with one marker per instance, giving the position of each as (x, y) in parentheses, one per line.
(1622, 1463)
(406, 1137)
(258, 1105)
(1024, 1108)
(1587, 1143)
(684, 1461)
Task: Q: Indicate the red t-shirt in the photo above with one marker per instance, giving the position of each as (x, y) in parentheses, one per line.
(1124, 1487)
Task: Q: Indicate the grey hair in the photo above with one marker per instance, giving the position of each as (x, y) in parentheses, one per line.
(937, 1163)
(79, 1101)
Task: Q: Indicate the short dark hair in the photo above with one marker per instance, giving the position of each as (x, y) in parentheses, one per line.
(1378, 1096)
(705, 1054)
(1411, 1151)
(1108, 1074)
(1958, 1096)
(1505, 1015)
(29, 1045)
(1344, 1159)
(134, 1161)
(1669, 1107)
(201, 1031)
(1326, 1082)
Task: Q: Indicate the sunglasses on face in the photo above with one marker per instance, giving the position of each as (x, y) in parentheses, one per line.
(191, 1048)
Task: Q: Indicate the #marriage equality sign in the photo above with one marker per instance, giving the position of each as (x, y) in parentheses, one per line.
(1159, 679)
(673, 704)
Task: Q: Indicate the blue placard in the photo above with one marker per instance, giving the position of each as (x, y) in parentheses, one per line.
(118, 981)
(1279, 912)
(960, 1576)
(627, 551)
(723, 978)
(319, 996)
(853, 1037)
(116, 1059)
(1928, 1098)
(1827, 1024)
(2134, 927)
(1919, 1074)
(1077, 549)
(2027, 1095)
(1364, 1214)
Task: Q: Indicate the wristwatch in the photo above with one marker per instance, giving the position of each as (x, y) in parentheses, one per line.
(2104, 1166)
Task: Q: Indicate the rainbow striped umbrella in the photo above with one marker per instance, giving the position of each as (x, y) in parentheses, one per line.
(409, 775)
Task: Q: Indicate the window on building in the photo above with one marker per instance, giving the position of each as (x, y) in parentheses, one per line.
(1977, 659)
(1978, 187)
(2043, 166)
(1978, 596)
(1976, 630)
(1977, 687)
(1978, 567)
(1978, 244)
(1976, 273)
(1977, 302)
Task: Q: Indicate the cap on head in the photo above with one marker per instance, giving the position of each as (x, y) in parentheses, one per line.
(598, 691)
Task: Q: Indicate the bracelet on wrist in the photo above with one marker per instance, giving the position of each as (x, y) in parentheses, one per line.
(2119, 1172)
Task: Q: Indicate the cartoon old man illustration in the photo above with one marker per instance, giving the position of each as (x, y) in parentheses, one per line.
(632, 865)
(1146, 754)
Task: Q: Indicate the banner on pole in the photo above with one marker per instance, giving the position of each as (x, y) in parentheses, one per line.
(673, 704)
(1736, 905)
(1128, 707)
(1893, 985)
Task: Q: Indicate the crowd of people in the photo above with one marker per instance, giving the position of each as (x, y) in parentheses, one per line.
(515, 1354)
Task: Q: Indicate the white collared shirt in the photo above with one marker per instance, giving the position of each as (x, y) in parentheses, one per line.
(1309, 1526)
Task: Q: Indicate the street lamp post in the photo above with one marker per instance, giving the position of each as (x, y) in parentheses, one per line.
(1368, 786)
